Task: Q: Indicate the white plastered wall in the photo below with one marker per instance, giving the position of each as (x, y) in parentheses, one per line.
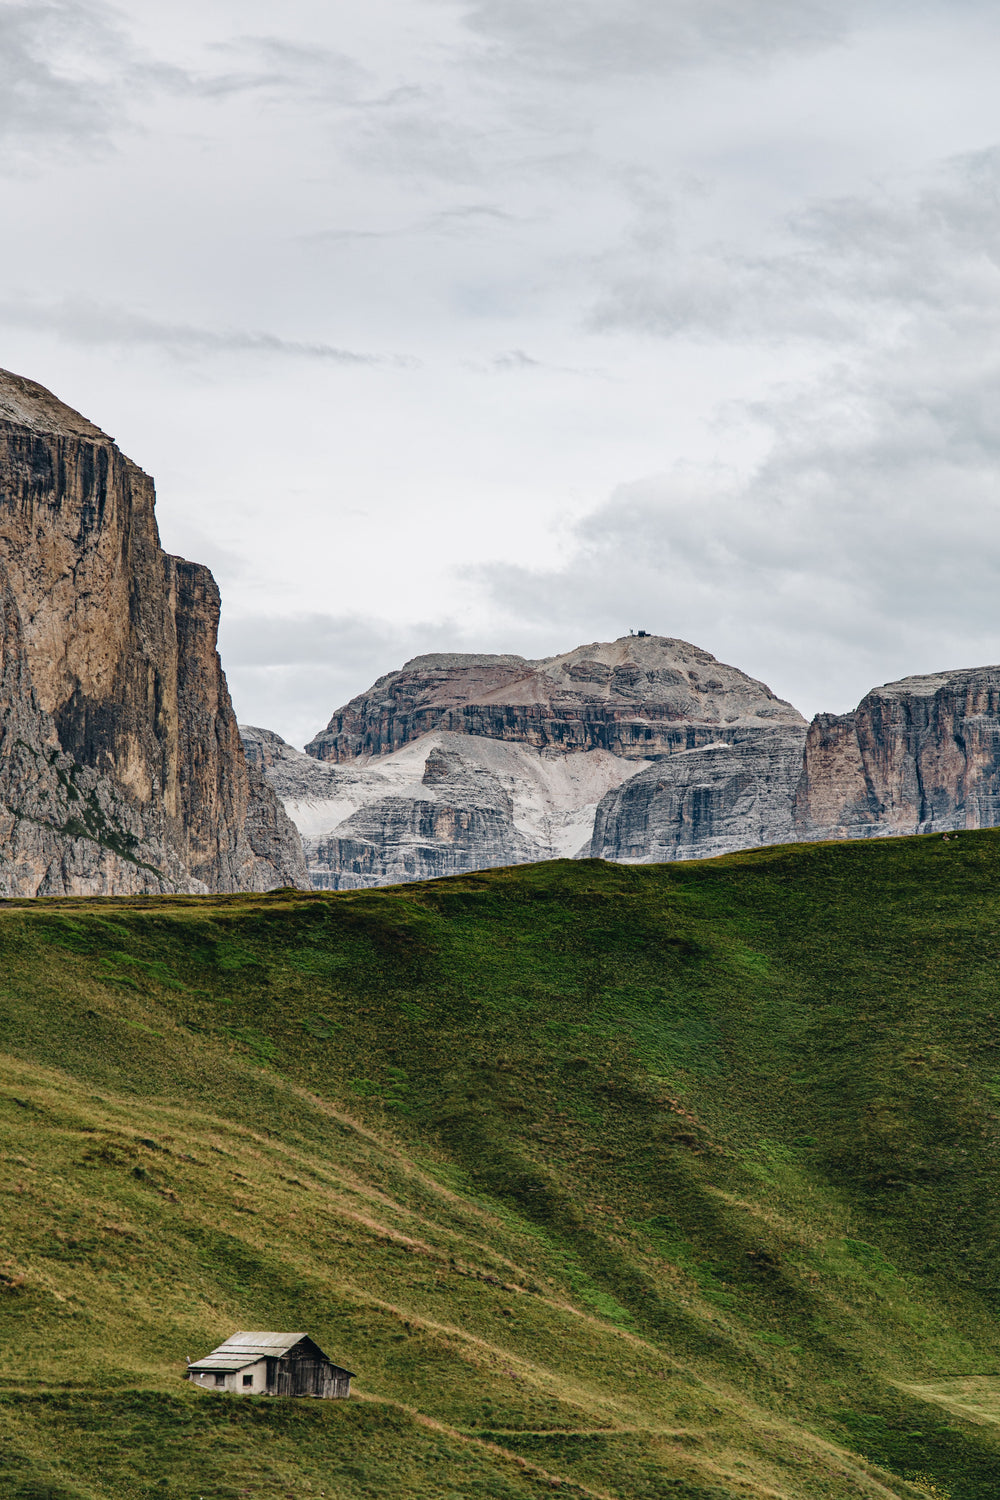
(234, 1380)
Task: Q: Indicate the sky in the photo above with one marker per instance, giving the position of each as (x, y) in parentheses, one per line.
(505, 325)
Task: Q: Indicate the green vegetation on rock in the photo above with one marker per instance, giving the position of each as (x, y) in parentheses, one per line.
(626, 1182)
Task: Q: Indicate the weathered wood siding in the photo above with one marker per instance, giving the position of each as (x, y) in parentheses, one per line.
(304, 1371)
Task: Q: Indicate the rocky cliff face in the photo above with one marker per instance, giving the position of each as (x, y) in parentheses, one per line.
(914, 756)
(636, 697)
(122, 770)
(642, 749)
(441, 805)
(404, 705)
(63, 828)
(112, 679)
(733, 794)
(458, 763)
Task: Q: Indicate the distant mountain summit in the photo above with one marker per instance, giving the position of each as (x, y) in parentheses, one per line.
(635, 697)
(121, 766)
(640, 750)
(460, 761)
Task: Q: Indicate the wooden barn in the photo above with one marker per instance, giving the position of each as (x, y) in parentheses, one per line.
(271, 1364)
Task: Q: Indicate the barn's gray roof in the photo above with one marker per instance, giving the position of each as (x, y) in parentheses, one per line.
(242, 1349)
(222, 1362)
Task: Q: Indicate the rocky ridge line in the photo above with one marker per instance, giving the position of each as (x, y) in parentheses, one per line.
(458, 763)
(635, 697)
(468, 762)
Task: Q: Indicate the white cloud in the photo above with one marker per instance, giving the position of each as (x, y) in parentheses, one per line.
(852, 270)
(287, 69)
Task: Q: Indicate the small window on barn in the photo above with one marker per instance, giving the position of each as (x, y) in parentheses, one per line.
(248, 1380)
(220, 1379)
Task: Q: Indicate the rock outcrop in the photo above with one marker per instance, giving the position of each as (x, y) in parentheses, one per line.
(122, 769)
(112, 686)
(642, 749)
(441, 805)
(636, 697)
(403, 705)
(734, 794)
(915, 756)
(458, 763)
(62, 826)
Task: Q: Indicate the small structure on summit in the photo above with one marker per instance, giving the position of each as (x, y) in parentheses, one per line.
(271, 1364)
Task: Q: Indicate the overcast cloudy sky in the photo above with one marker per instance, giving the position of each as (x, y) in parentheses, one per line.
(511, 324)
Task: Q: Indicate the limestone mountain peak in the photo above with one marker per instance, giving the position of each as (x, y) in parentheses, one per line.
(635, 696)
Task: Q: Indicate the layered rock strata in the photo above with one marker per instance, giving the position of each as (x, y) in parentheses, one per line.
(441, 805)
(63, 827)
(915, 756)
(112, 681)
(641, 749)
(734, 794)
(636, 697)
(458, 763)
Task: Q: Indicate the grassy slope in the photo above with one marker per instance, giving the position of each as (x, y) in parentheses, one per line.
(635, 1182)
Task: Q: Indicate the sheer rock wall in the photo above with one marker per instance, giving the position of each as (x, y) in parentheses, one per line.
(915, 756)
(733, 794)
(112, 643)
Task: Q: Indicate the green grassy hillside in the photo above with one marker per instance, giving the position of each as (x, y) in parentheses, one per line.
(623, 1182)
